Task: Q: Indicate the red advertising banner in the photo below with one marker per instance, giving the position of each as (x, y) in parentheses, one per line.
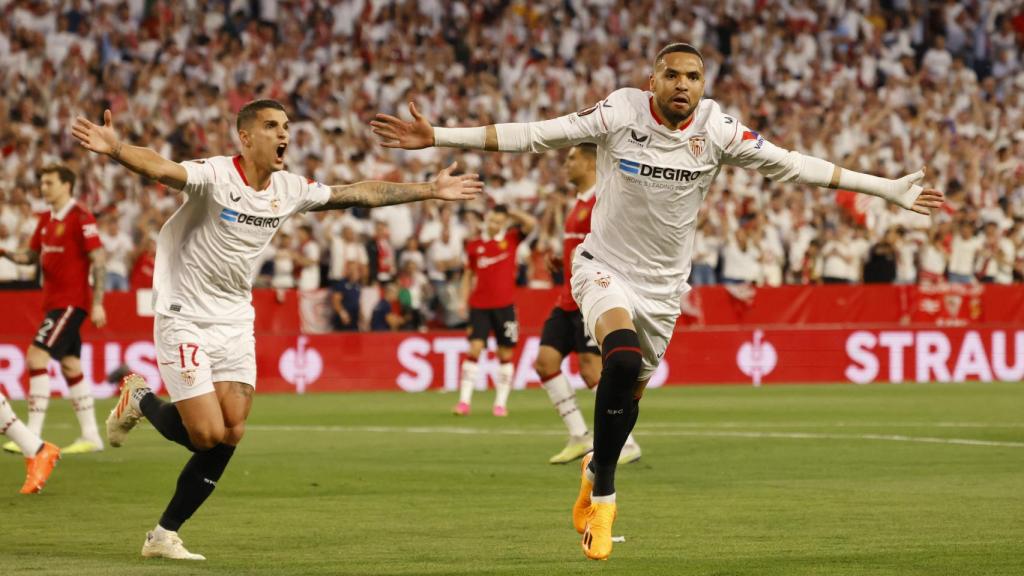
(947, 341)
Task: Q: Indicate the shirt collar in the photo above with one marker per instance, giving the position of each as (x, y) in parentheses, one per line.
(586, 194)
(63, 211)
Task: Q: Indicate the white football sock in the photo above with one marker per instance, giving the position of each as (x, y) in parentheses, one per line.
(81, 399)
(630, 441)
(564, 400)
(609, 499)
(38, 400)
(17, 431)
(468, 380)
(504, 384)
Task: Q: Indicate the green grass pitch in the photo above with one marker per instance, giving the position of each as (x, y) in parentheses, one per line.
(781, 480)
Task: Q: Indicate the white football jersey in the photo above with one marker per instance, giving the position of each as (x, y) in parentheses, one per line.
(652, 179)
(207, 252)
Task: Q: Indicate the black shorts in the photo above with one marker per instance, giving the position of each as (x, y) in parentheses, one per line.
(500, 321)
(59, 333)
(563, 331)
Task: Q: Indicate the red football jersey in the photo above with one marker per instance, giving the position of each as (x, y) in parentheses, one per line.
(577, 226)
(494, 263)
(64, 241)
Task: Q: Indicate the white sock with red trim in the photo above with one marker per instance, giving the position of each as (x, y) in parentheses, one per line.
(80, 393)
(470, 368)
(564, 400)
(17, 431)
(503, 386)
(38, 399)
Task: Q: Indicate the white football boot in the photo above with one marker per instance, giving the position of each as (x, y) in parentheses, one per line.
(167, 544)
(126, 413)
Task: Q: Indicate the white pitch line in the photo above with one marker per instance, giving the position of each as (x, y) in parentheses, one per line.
(645, 432)
(852, 424)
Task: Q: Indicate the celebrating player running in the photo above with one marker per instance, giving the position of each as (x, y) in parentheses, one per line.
(206, 255)
(658, 153)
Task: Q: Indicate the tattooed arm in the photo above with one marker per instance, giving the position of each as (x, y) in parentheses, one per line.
(98, 258)
(372, 193)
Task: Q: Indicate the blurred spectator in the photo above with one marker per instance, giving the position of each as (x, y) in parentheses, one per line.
(380, 253)
(306, 259)
(741, 260)
(840, 264)
(996, 256)
(880, 267)
(963, 253)
(8, 243)
(706, 247)
(345, 296)
(346, 248)
(119, 249)
(144, 263)
(934, 257)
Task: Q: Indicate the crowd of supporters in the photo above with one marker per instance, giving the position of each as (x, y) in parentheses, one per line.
(880, 86)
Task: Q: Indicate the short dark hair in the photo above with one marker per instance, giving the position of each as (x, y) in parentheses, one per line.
(249, 111)
(500, 209)
(588, 148)
(677, 47)
(64, 173)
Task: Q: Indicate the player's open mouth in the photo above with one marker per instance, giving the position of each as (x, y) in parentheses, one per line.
(280, 151)
(681, 100)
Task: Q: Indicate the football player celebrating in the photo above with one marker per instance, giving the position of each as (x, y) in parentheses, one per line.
(657, 153)
(206, 255)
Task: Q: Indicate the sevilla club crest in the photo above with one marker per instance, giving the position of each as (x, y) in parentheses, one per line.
(697, 145)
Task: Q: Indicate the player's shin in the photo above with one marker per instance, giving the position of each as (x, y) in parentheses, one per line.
(165, 418)
(80, 393)
(195, 484)
(38, 399)
(613, 409)
(564, 400)
(503, 386)
(28, 442)
(470, 368)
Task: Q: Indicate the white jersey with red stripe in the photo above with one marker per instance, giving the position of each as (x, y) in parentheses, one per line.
(207, 252)
(652, 179)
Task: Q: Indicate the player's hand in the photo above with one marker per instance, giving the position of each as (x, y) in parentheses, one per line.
(99, 315)
(913, 197)
(397, 133)
(99, 139)
(462, 187)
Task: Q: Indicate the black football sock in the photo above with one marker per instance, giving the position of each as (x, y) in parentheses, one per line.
(613, 410)
(165, 418)
(195, 484)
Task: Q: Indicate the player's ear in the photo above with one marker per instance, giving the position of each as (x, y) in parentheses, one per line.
(650, 82)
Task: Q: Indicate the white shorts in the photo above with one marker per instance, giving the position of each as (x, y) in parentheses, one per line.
(597, 289)
(194, 355)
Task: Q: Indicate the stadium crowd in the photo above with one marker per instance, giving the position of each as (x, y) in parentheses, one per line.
(881, 86)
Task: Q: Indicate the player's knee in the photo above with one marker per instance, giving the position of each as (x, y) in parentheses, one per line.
(70, 366)
(37, 358)
(545, 365)
(621, 357)
(208, 436)
(234, 434)
(591, 375)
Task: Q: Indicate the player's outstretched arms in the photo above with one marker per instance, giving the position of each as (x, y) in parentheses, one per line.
(372, 193)
(514, 137)
(104, 140)
(905, 192)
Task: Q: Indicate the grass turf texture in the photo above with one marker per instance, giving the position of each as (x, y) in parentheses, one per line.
(782, 480)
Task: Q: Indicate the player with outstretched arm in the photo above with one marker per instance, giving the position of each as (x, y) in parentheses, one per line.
(206, 255)
(658, 152)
